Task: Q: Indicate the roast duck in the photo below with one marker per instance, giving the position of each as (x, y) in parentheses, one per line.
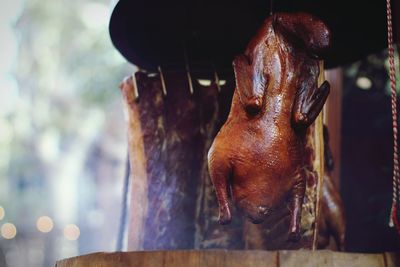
(258, 156)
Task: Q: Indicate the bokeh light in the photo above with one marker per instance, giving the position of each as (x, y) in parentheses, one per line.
(364, 83)
(44, 224)
(204, 82)
(8, 231)
(71, 232)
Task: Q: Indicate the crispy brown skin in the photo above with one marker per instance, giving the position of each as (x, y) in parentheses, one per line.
(258, 155)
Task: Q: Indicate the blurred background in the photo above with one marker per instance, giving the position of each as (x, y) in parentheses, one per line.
(62, 131)
(63, 136)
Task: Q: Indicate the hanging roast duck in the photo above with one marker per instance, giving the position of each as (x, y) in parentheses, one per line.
(258, 156)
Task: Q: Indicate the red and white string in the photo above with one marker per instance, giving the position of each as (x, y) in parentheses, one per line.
(392, 75)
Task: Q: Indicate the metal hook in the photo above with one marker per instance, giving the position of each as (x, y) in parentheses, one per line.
(216, 80)
(189, 77)
(164, 88)
(135, 87)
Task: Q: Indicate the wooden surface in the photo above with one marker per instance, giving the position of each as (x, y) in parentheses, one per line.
(333, 118)
(319, 163)
(220, 258)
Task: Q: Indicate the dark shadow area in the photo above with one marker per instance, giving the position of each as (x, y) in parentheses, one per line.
(367, 149)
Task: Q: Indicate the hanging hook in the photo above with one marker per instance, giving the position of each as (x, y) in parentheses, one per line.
(164, 88)
(216, 80)
(135, 87)
(189, 77)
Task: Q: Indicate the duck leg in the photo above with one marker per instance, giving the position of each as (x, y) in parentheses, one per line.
(295, 206)
(220, 170)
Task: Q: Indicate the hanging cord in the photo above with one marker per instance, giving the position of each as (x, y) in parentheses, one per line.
(392, 73)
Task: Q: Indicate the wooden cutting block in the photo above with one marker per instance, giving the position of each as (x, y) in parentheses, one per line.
(225, 258)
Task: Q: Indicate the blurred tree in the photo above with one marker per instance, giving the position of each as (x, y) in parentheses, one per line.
(63, 136)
